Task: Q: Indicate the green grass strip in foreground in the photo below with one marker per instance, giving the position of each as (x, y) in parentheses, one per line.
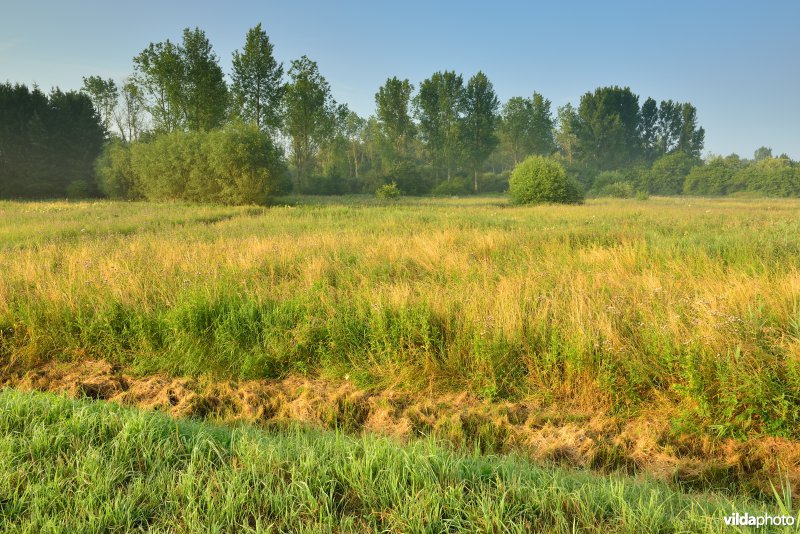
(81, 466)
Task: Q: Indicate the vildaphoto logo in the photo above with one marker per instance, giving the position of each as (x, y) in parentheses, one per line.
(746, 520)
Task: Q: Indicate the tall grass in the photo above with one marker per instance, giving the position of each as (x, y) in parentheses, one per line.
(70, 466)
(683, 307)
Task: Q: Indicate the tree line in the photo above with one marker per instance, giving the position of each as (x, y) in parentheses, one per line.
(443, 135)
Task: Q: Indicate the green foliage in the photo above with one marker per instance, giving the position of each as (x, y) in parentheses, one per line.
(607, 129)
(183, 85)
(454, 187)
(668, 173)
(47, 142)
(79, 189)
(388, 192)
(479, 123)
(776, 177)
(619, 190)
(310, 116)
(439, 106)
(409, 178)
(104, 95)
(234, 165)
(115, 173)
(257, 91)
(491, 182)
(539, 179)
(714, 178)
(392, 107)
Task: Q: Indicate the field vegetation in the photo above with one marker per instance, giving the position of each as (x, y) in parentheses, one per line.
(658, 335)
(128, 471)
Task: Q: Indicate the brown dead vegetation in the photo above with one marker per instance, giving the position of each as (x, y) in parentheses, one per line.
(575, 436)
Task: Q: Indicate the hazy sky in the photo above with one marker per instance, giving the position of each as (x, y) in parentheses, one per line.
(738, 62)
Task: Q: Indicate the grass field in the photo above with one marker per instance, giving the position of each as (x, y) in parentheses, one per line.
(122, 470)
(659, 335)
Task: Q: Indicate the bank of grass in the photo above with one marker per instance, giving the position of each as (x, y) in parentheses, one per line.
(685, 307)
(83, 466)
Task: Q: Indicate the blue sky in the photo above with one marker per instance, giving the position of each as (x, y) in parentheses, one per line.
(738, 62)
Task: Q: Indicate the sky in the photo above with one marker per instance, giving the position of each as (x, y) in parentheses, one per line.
(738, 62)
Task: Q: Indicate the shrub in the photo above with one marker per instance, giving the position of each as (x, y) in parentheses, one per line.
(453, 187)
(114, 172)
(234, 165)
(539, 179)
(713, 178)
(669, 172)
(603, 180)
(619, 190)
(79, 189)
(388, 192)
(775, 177)
(494, 182)
(409, 178)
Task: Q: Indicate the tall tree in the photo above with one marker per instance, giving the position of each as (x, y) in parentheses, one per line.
(566, 138)
(514, 127)
(257, 89)
(608, 128)
(669, 125)
(204, 89)
(439, 105)
(354, 129)
(159, 74)
(129, 113)
(691, 138)
(104, 96)
(310, 112)
(541, 127)
(479, 123)
(393, 103)
(648, 129)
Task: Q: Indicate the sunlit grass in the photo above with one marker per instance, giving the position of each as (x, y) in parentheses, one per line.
(685, 306)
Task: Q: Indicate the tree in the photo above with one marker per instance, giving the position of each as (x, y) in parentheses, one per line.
(354, 129)
(393, 103)
(104, 96)
(183, 86)
(648, 129)
(762, 153)
(514, 127)
(257, 90)
(608, 125)
(479, 123)
(48, 143)
(566, 138)
(310, 112)
(439, 105)
(691, 138)
(205, 94)
(159, 75)
(128, 115)
(541, 127)
(669, 172)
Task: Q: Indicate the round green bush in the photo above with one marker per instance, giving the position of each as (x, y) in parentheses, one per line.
(539, 179)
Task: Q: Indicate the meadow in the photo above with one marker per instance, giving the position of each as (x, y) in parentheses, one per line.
(658, 335)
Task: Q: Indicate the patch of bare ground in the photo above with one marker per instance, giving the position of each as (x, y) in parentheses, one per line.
(574, 436)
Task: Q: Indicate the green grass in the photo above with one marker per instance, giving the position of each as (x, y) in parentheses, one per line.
(684, 307)
(80, 466)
